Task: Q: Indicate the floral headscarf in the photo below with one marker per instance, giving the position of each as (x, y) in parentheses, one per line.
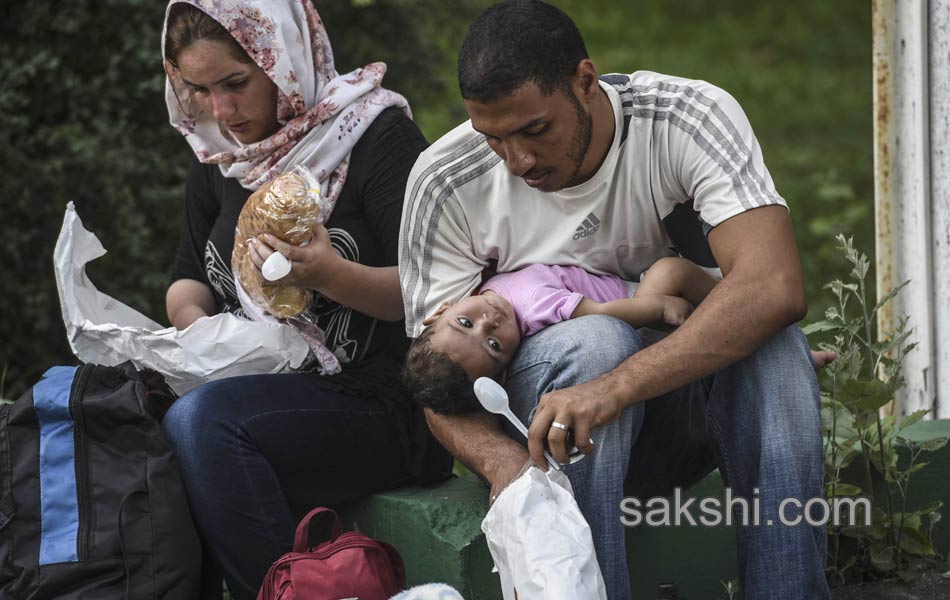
(322, 113)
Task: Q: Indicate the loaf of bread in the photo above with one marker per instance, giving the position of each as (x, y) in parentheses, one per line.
(287, 207)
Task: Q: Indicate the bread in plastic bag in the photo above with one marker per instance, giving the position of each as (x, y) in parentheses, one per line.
(540, 541)
(286, 207)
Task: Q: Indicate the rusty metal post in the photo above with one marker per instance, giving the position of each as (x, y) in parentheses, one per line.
(940, 193)
(902, 184)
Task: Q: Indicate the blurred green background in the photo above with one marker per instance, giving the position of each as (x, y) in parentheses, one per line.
(82, 118)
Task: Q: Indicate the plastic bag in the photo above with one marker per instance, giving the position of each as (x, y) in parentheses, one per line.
(102, 330)
(540, 541)
(287, 207)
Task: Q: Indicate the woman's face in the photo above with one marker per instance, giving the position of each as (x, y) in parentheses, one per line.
(238, 95)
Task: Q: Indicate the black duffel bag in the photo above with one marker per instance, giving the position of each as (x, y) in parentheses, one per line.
(91, 500)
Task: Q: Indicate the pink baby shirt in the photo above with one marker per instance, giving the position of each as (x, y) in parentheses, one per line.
(543, 295)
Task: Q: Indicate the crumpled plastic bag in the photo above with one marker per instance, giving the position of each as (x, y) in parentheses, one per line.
(540, 541)
(102, 330)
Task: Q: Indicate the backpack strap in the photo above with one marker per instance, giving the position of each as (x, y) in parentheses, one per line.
(395, 561)
(302, 537)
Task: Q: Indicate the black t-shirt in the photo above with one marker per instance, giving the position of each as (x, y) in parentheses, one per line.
(364, 228)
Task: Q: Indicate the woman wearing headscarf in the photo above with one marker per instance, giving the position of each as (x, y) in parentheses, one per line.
(253, 88)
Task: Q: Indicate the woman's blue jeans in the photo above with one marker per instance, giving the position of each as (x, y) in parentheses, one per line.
(255, 451)
(758, 421)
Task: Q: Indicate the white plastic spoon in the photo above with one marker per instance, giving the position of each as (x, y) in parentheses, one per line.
(276, 266)
(494, 399)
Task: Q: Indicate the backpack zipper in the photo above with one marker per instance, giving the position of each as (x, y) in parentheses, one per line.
(341, 543)
(83, 502)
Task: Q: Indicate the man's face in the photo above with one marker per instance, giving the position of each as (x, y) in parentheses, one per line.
(542, 139)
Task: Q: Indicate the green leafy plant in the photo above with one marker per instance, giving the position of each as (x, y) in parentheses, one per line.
(866, 452)
(732, 588)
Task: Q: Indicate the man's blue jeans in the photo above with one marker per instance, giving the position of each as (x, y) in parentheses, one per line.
(758, 421)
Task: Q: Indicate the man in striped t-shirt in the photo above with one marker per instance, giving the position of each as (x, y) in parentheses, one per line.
(560, 166)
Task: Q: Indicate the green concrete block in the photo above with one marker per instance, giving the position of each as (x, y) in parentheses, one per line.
(700, 558)
(437, 530)
(697, 558)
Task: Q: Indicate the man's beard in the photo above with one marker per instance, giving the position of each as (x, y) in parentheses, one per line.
(580, 142)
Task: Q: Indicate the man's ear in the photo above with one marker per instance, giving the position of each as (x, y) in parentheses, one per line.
(438, 313)
(586, 81)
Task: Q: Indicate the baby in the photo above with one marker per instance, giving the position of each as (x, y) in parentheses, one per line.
(479, 336)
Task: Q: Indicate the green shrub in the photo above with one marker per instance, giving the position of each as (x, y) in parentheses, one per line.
(83, 118)
(863, 380)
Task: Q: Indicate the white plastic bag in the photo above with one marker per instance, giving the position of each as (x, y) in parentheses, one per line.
(104, 331)
(540, 541)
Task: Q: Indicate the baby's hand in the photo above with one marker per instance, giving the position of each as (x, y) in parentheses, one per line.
(675, 310)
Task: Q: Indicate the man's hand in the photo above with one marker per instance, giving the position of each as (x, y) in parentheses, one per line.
(504, 473)
(313, 265)
(581, 408)
(477, 440)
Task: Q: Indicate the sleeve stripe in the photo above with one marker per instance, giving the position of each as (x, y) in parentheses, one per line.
(442, 162)
(424, 210)
(664, 101)
(739, 151)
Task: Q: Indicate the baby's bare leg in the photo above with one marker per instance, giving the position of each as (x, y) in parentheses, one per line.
(674, 276)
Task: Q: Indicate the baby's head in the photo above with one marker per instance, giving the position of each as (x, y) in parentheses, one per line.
(474, 338)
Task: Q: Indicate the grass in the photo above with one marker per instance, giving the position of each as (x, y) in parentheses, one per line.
(801, 71)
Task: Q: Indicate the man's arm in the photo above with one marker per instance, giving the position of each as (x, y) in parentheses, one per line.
(437, 264)
(481, 445)
(761, 293)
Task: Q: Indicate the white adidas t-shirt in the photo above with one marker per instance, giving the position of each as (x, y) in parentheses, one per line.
(683, 155)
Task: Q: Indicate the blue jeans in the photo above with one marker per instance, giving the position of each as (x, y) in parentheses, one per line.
(757, 420)
(255, 451)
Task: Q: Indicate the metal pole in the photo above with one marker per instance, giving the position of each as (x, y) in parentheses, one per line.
(902, 185)
(940, 193)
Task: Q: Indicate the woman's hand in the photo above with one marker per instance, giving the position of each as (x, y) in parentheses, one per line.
(187, 300)
(312, 265)
(373, 291)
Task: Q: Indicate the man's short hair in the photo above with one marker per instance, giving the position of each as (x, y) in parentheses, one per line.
(435, 380)
(516, 42)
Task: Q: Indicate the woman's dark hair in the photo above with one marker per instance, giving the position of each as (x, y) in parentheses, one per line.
(435, 380)
(187, 24)
(516, 42)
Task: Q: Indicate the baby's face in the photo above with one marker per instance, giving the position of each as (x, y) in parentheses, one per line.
(480, 333)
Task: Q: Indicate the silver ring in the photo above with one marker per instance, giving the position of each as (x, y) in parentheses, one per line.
(560, 426)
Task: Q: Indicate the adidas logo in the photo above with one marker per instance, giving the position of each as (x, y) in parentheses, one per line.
(588, 228)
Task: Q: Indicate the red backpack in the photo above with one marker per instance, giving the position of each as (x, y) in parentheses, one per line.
(348, 565)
